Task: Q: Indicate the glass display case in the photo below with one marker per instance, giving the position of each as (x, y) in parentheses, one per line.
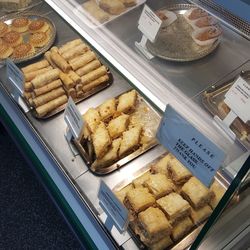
(168, 207)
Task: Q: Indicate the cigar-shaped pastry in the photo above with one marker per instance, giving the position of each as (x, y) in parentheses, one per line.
(45, 78)
(95, 83)
(35, 66)
(42, 99)
(54, 49)
(76, 78)
(47, 88)
(28, 86)
(75, 51)
(79, 87)
(71, 92)
(79, 94)
(91, 76)
(89, 67)
(27, 95)
(60, 62)
(82, 60)
(31, 75)
(67, 81)
(69, 45)
(50, 106)
(47, 55)
(31, 102)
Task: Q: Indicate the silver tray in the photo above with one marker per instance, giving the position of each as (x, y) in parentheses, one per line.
(38, 51)
(175, 43)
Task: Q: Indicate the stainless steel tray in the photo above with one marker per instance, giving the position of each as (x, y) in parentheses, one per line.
(152, 120)
(38, 51)
(211, 99)
(175, 43)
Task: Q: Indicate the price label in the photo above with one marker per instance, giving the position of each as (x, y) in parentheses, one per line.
(74, 119)
(238, 99)
(149, 23)
(195, 151)
(15, 77)
(113, 207)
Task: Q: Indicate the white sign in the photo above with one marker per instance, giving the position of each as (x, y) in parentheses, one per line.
(113, 207)
(238, 99)
(73, 118)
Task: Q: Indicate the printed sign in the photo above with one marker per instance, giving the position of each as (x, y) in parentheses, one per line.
(195, 151)
(238, 99)
(113, 207)
(73, 118)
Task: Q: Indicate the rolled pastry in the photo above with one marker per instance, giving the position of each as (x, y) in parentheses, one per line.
(47, 88)
(42, 99)
(54, 49)
(79, 87)
(75, 51)
(60, 62)
(28, 86)
(35, 66)
(82, 60)
(91, 76)
(31, 75)
(95, 83)
(89, 67)
(67, 81)
(79, 94)
(76, 78)
(71, 92)
(27, 95)
(47, 55)
(48, 107)
(45, 78)
(69, 45)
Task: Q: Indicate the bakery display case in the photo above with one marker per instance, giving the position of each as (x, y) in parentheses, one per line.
(121, 81)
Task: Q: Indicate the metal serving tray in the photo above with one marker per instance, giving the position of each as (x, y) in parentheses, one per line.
(33, 16)
(151, 120)
(215, 95)
(175, 43)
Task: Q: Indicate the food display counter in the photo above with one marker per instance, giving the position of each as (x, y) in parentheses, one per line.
(73, 181)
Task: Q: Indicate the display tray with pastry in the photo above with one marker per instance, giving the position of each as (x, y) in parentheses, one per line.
(97, 13)
(213, 100)
(187, 33)
(24, 36)
(72, 69)
(167, 205)
(18, 5)
(117, 131)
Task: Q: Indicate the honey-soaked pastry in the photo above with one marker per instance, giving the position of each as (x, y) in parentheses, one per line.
(20, 24)
(196, 193)
(139, 181)
(95, 83)
(76, 78)
(118, 125)
(162, 165)
(23, 49)
(36, 66)
(39, 39)
(139, 199)
(31, 75)
(129, 3)
(12, 38)
(113, 7)
(93, 75)
(159, 185)
(201, 214)
(107, 109)
(82, 60)
(75, 51)
(4, 28)
(218, 191)
(174, 206)
(5, 51)
(121, 194)
(101, 140)
(88, 67)
(69, 45)
(153, 225)
(127, 102)
(60, 62)
(38, 25)
(182, 228)
(92, 119)
(48, 87)
(161, 244)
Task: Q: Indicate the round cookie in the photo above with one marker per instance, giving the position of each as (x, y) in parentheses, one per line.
(24, 49)
(39, 39)
(38, 25)
(20, 24)
(4, 28)
(5, 51)
(13, 38)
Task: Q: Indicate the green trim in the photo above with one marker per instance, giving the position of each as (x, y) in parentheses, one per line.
(55, 192)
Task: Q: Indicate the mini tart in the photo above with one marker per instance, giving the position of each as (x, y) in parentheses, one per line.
(39, 39)
(5, 51)
(20, 24)
(4, 28)
(23, 50)
(38, 26)
(13, 38)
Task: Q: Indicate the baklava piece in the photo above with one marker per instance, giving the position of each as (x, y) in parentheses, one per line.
(178, 172)
(101, 140)
(161, 244)
(218, 192)
(130, 141)
(153, 225)
(196, 193)
(107, 109)
(159, 185)
(162, 165)
(174, 206)
(127, 102)
(139, 181)
(199, 215)
(92, 119)
(182, 228)
(121, 194)
(118, 125)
